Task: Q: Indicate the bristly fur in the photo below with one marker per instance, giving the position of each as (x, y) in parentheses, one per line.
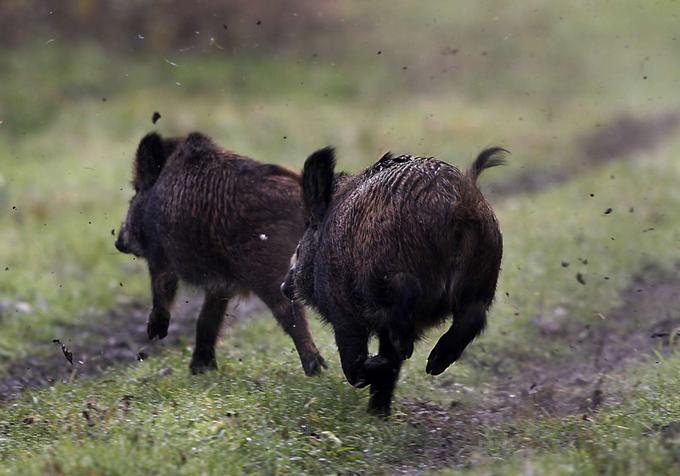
(386, 156)
(491, 157)
(197, 144)
(398, 248)
(219, 221)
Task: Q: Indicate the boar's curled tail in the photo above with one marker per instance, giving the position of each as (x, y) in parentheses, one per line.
(487, 158)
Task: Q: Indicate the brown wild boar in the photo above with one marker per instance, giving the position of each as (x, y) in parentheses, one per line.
(219, 221)
(391, 252)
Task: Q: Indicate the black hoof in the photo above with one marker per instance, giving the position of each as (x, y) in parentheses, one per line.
(314, 365)
(377, 363)
(437, 363)
(403, 344)
(200, 366)
(381, 409)
(158, 324)
(371, 370)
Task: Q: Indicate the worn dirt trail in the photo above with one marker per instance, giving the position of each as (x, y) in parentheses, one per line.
(114, 337)
(623, 137)
(574, 385)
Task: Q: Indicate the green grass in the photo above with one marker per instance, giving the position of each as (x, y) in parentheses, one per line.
(254, 415)
(637, 435)
(279, 409)
(533, 78)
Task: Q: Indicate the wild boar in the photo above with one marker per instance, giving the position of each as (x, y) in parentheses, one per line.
(221, 222)
(391, 252)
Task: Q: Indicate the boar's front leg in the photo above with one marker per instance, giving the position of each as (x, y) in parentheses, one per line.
(207, 328)
(352, 342)
(164, 283)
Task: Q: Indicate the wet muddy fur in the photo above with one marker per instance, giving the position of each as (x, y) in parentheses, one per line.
(219, 221)
(391, 252)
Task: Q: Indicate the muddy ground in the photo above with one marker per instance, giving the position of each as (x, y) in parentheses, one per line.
(645, 321)
(118, 336)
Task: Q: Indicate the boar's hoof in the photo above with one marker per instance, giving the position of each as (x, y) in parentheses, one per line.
(403, 347)
(381, 410)
(437, 362)
(376, 364)
(359, 379)
(402, 341)
(200, 366)
(313, 366)
(370, 370)
(159, 321)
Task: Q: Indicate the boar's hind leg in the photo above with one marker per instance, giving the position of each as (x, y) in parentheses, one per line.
(352, 342)
(291, 317)
(405, 292)
(208, 326)
(468, 323)
(383, 371)
(164, 288)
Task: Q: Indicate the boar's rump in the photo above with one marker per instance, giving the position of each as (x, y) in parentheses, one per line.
(391, 252)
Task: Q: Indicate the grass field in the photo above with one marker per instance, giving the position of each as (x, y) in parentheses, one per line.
(566, 380)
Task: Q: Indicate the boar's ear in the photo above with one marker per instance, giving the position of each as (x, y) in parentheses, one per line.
(149, 161)
(317, 181)
(170, 146)
(197, 146)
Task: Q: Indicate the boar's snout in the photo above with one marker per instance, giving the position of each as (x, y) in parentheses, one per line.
(121, 246)
(122, 243)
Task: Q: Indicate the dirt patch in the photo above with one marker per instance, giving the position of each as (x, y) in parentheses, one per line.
(622, 137)
(628, 134)
(647, 319)
(99, 341)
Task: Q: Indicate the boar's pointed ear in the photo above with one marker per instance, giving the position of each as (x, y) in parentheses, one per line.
(149, 161)
(170, 145)
(317, 181)
(197, 146)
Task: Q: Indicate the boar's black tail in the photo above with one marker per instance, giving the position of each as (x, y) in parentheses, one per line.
(487, 158)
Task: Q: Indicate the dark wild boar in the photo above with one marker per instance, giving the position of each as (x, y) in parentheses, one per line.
(219, 221)
(391, 252)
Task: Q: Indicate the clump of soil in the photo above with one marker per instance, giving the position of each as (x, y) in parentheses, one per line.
(647, 319)
(118, 336)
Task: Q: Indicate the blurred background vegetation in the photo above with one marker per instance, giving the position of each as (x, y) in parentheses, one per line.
(584, 94)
